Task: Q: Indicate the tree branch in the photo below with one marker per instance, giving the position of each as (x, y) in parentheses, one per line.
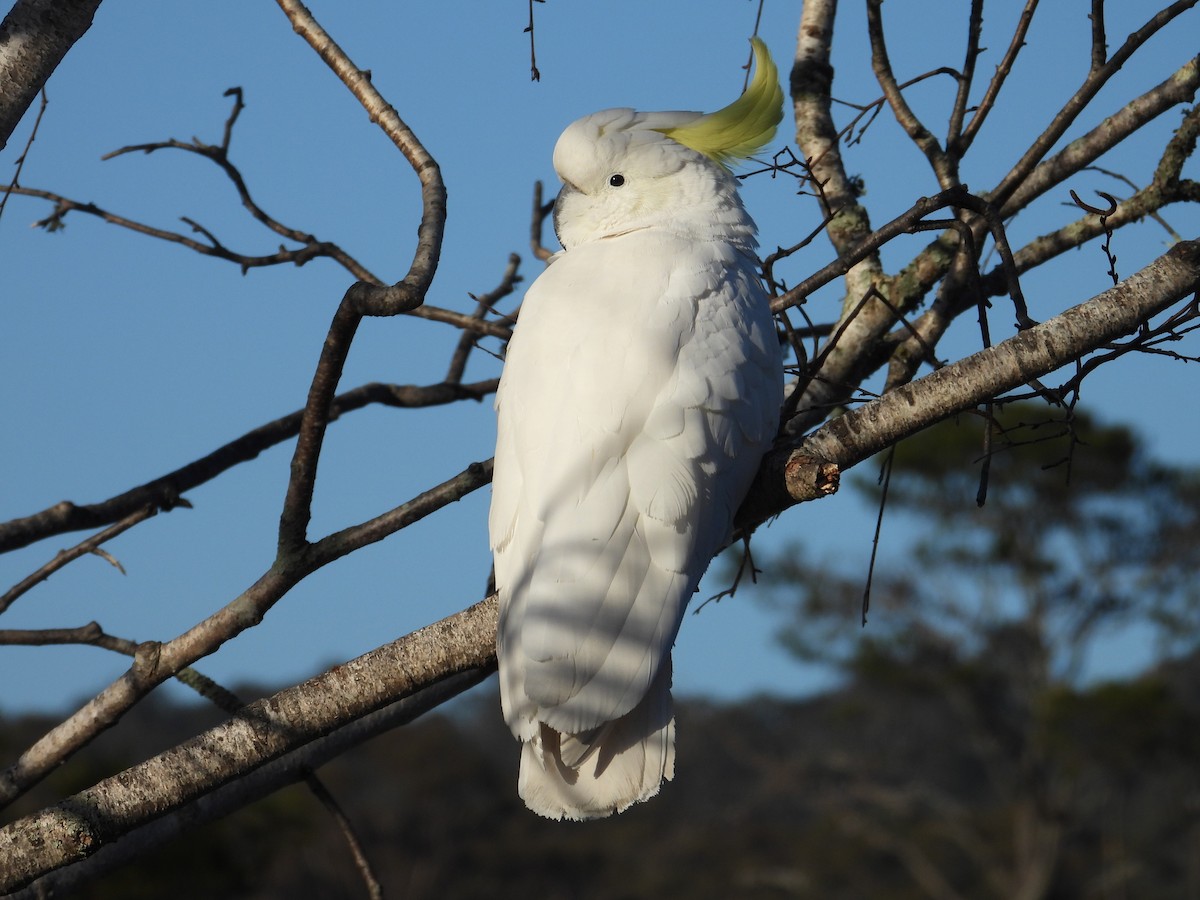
(34, 38)
(408, 293)
(462, 645)
(155, 662)
(165, 492)
(91, 545)
(1096, 79)
(785, 477)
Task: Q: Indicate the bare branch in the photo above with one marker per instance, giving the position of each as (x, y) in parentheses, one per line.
(408, 293)
(165, 492)
(312, 249)
(966, 79)
(960, 146)
(91, 545)
(920, 135)
(93, 635)
(1095, 80)
(154, 663)
(861, 433)
(462, 645)
(1178, 88)
(224, 699)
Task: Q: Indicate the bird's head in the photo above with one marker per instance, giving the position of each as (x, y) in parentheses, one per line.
(624, 170)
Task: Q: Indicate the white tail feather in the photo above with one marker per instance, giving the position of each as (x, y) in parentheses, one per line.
(623, 763)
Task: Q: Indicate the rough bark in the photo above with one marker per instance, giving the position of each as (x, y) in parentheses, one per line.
(82, 825)
(34, 38)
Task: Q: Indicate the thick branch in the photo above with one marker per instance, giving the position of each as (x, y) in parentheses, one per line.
(34, 38)
(817, 137)
(264, 731)
(785, 475)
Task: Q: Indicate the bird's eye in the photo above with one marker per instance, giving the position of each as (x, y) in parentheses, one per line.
(616, 180)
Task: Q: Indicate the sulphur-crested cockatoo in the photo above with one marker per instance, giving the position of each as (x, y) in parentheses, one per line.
(639, 393)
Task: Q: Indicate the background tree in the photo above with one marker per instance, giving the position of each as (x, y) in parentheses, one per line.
(986, 619)
(876, 314)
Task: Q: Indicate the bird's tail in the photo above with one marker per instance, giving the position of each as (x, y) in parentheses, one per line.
(593, 775)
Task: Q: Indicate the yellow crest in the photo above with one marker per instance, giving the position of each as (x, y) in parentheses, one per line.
(745, 125)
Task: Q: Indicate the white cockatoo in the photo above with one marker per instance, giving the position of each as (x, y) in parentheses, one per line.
(639, 393)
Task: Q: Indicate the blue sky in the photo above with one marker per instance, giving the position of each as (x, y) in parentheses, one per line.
(123, 358)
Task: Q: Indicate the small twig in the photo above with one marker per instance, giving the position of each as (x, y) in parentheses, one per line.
(1126, 180)
(985, 469)
(20, 163)
(484, 304)
(238, 106)
(745, 565)
(966, 78)
(1104, 215)
(534, 74)
(91, 545)
(311, 249)
(960, 146)
(885, 483)
(750, 60)
(365, 871)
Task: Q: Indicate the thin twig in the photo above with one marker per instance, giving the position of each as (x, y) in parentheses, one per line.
(20, 163)
(484, 304)
(534, 73)
(960, 146)
(91, 545)
(966, 78)
(885, 483)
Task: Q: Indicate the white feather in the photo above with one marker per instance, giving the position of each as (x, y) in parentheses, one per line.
(639, 392)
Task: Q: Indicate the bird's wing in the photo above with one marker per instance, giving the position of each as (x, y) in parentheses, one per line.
(637, 396)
